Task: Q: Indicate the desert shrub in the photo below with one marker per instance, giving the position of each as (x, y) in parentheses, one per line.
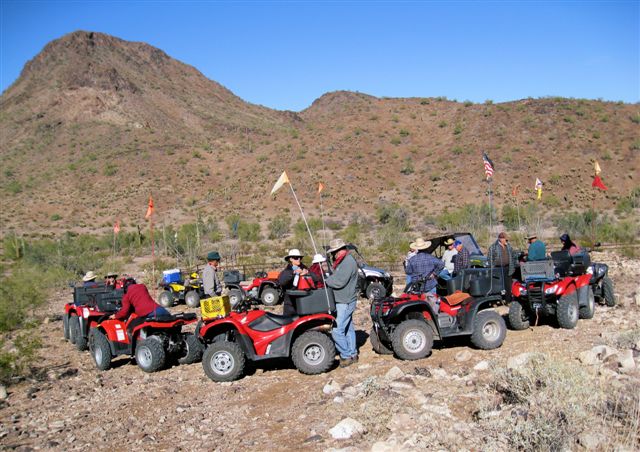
(470, 217)
(391, 240)
(408, 166)
(585, 224)
(233, 222)
(16, 360)
(628, 203)
(249, 232)
(279, 227)
(393, 214)
(543, 406)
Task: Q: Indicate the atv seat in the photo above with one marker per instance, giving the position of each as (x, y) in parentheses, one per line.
(271, 321)
(456, 298)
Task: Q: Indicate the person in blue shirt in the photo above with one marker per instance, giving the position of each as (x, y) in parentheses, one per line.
(537, 250)
(424, 266)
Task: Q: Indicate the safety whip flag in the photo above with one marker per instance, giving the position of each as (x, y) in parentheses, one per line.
(538, 188)
(320, 187)
(283, 179)
(149, 209)
(514, 192)
(488, 165)
(596, 168)
(597, 181)
(116, 227)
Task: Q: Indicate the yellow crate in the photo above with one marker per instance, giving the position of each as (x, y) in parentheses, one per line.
(215, 307)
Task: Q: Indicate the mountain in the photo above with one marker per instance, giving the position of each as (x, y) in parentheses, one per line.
(94, 124)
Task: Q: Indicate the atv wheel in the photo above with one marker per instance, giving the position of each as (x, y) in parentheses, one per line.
(518, 318)
(100, 350)
(74, 328)
(489, 330)
(607, 289)
(150, 354)
(586, 312)
(65, 326)
(235, 297)
(165, 299)
(567, 311)
(377, 345)
(76, 335)
(313, 352)
(192, 299)
(270, 296)
(223, 361)
(412, 339)
(375, 290)
(193, 349)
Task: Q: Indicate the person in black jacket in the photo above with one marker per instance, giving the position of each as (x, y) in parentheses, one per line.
(288, 278)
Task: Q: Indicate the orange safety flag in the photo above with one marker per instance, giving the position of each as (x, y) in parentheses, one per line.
(596, 168)
(597, 183)
(538, 187)
(149, 208)
(283, 179)
(320, 187)
(116, 227)
(514, 192)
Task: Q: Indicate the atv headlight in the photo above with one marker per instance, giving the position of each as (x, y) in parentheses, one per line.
(590, 270)
(550, 290)
(387, 275)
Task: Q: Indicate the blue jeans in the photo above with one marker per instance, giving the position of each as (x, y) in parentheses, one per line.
(444, 274)
(344, 334)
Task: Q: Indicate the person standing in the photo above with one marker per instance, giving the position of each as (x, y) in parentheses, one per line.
(461, 260)
(424, 266)
(537, 251)
(319, 268)
(344, 282)
(412, 252)
(210, 281)
(500, 255)
(288, 278)
(448, 258)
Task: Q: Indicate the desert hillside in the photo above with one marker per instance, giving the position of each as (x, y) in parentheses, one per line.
(95, 124)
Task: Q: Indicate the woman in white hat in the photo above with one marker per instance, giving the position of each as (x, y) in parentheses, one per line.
(319, 268)
(288, 278)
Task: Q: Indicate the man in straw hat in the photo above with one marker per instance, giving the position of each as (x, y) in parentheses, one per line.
(344, 281)
(424, 266)
(89, 279)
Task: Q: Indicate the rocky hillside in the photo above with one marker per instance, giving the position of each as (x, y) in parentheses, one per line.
(95, 124)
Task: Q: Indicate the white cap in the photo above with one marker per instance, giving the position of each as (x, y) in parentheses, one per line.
(318, 258)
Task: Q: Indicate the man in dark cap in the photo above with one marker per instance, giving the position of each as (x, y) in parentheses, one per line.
(501, 256)
(210, 282)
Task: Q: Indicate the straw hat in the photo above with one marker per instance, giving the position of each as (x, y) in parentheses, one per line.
(90, 276)
(420, 244)
(335, 245)
(293, 252)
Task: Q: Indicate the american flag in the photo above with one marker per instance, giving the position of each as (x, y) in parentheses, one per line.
(488, 165)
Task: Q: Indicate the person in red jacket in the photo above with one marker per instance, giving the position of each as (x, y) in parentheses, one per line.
(138, 300)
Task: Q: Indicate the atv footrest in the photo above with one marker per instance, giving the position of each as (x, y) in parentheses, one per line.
(184, 316)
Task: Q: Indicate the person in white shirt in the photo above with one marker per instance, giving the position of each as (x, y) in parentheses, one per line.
(447, 258)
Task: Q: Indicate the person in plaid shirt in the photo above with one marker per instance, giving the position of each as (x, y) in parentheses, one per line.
(424, 265)
(462, 259)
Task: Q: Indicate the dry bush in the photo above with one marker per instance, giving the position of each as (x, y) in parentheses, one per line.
(548, 404)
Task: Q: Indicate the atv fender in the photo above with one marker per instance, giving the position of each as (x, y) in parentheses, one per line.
(418, 309)
(583, 295)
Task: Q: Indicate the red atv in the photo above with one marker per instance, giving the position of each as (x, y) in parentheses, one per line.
(407, 325)
(256, 335)
(152, 341)
(264, 288)
(558, 287)
(89, 305)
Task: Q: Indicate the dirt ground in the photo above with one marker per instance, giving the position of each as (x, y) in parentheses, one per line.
(74, 406)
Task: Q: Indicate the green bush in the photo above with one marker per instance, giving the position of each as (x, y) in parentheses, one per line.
(279, 227)
(394, 215)
(408, 166)
(249, 232)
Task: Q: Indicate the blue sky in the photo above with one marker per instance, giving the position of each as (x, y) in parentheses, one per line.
(286, 54)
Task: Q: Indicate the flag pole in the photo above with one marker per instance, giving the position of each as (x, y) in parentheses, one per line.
(313, 242)
(489, 180)
(324, 230)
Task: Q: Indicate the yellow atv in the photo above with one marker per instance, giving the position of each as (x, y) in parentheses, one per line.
(177, 290)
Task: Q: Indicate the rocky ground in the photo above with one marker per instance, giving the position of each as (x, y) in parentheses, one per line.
(380, 404)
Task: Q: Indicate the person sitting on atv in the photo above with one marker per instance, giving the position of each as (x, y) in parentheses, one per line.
(110, 280)
(424, 265)
(288, 278)
(320, 269)
(210, 282)
(569, 245)
(89, 279)
(138, 301)
(537, 250)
